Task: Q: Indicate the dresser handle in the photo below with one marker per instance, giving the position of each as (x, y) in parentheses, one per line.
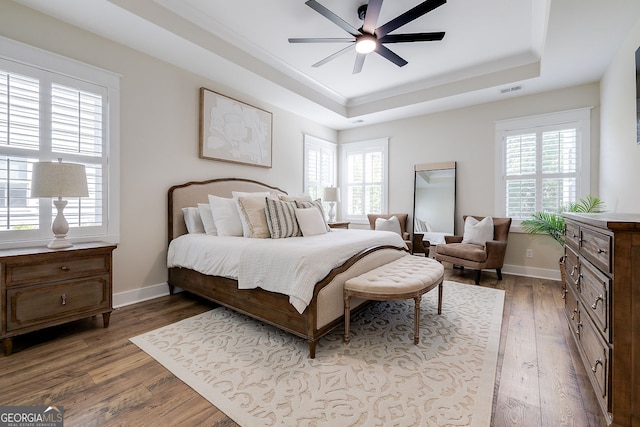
(573, 314)
(578, 326)
(602, 251)
(564, 293)
(65, 268)
(595, 303)
(575, 267)
(63, 299)
(594, 368)
(574, 235)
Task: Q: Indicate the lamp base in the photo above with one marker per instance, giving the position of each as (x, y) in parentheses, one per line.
(59, 243)
(332, 211)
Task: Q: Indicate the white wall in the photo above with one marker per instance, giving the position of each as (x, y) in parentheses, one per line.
(467, 136)
(159, 141)
(619, 152)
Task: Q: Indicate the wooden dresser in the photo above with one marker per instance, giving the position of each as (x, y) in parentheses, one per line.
(602, 304)
(40, 287)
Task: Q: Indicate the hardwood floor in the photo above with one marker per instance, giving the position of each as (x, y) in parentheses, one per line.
(102, 379)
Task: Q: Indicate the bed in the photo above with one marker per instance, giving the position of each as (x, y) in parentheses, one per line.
(325, 309)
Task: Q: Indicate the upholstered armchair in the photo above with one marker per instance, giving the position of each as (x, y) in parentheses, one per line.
(474, 256)
(402, 218)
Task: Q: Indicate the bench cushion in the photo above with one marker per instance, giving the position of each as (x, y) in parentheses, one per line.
(407, 274)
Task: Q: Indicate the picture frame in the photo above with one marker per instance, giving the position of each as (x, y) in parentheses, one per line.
(233, 131)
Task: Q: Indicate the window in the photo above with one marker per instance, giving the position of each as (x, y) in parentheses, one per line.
(543, 163)
(319, 165)
(364, 178)
(45, 115)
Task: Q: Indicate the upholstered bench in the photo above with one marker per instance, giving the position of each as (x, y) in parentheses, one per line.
(407, 277)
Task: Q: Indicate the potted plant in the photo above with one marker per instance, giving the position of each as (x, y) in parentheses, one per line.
(553, 223)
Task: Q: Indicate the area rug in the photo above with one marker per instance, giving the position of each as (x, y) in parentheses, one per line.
(261, 376)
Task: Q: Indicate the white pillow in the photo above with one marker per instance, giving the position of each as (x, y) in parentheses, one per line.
(318, 205)
(253, 217)
(225, 216)
(192, 219)
(391, 224)
(206, 217)
(478, 232)
(310, 221)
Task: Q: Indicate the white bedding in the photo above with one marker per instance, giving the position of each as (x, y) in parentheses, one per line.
(290, 266)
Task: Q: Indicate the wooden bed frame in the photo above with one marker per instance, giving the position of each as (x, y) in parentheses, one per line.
(269, 307)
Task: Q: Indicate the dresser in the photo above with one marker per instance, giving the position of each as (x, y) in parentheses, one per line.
(602, 305)
(41, 287)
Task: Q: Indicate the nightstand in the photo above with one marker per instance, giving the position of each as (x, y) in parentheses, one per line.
(41, 287)
(344, 224)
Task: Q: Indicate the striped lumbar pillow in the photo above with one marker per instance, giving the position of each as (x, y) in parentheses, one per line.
(281, 219)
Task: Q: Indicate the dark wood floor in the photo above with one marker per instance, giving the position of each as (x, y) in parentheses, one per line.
(102, 379)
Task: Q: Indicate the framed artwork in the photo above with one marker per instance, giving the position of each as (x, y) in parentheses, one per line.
(232, 131)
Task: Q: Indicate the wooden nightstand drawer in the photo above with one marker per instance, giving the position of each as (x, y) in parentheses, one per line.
(57, 269)
(31, 305)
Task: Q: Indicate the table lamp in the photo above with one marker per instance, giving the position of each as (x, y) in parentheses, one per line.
(331, 195)
(51, 179)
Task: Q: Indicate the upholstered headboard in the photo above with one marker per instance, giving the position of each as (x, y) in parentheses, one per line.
(194, 192)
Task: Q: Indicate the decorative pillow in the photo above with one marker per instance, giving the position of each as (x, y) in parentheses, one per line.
(421, 226)
(478, 232)
(311, 221)
(225, 216)
(281, 218)
(391, 224)
(193, 221)
(318, 204)
(206, 216)
(298, 198)
(253, 217)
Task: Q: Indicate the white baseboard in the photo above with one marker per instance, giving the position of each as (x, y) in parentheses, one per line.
(138, 295)
(541, 273)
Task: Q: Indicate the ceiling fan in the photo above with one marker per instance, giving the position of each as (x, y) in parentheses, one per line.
(368, 38)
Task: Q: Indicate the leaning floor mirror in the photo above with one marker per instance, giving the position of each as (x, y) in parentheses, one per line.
(434, 203)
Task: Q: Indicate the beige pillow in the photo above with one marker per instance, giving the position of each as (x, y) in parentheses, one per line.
(310, 221)
(253, 217)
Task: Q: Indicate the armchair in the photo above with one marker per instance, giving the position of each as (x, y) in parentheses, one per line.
(402, 218)
(477, 257)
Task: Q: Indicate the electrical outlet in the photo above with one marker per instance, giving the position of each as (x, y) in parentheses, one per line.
(529, 253)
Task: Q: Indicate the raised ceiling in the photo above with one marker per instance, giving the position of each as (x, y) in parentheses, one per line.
(492, 49)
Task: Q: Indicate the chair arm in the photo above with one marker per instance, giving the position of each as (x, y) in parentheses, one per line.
(406, 236)
(453, 239)
(496, 251)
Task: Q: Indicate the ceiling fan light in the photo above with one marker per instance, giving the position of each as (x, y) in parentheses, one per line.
(366, 43)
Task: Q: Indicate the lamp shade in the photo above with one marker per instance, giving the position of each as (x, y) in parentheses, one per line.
(331, 194)
(57, 179)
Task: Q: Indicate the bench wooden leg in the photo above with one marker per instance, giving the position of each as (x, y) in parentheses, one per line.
(440, 298)
(416, 320)
(347, 318)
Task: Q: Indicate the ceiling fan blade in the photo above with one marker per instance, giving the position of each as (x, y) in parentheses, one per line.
(387, 54)
(408, 16)
(357, 67)
(371, 17)
(313, 4)
(320, 40)
(412, 37)
(333, 56)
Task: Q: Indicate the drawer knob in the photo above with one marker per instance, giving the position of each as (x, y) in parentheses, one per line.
(578, 326)
(573, 313)
(63, 299)
(594, 368)
(65, 268)
(595, 303)
(564, 293)
(602, 251)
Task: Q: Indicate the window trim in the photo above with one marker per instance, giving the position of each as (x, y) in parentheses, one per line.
(581, 117)
(24, 55)
(377, 145)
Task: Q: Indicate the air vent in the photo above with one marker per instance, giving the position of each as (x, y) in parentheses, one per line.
(511, 89)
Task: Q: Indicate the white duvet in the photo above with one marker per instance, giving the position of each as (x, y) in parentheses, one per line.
(289, 266)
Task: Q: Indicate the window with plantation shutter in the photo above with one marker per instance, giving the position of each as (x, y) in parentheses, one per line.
(320, 170)
(543, 163)
(45, 115)
(364, 179)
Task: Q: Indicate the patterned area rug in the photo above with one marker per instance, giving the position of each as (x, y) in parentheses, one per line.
(261, 376)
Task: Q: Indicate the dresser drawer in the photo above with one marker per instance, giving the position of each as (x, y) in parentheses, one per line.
(594, 291)
(56, 269)
(572, 235)
(32, 305)
(596, 247)
(572, 274)
(572, 311)
(596, 356)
